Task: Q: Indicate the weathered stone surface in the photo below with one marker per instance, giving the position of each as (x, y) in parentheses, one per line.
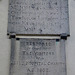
(38, 17)
(39, 57)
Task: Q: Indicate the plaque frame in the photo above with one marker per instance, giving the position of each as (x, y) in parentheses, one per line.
(60, 48)
(53, 31)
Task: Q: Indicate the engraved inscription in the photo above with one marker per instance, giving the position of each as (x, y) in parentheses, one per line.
(38, 16)
(39, 57)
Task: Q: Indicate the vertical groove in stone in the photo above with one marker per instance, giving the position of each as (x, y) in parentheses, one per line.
(63, 55)
(12, 56)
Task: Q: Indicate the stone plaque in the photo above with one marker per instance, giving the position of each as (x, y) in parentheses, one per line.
(38, 17)
(39, 57)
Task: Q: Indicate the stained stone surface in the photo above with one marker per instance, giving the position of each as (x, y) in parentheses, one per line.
(39, 57)
(38, 17)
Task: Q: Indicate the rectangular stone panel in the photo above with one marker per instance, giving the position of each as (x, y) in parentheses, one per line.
(39, 57)
(38, 17)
